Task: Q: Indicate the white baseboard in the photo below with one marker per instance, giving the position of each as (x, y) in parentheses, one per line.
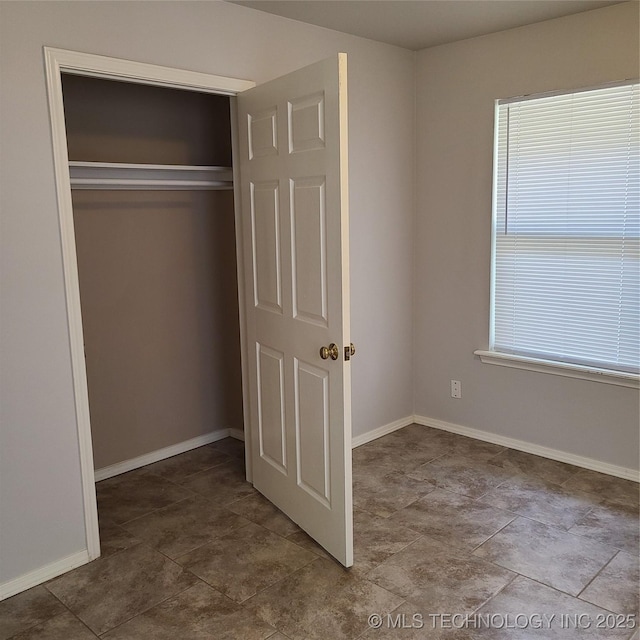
(527, 447)
(161, 454)
(49, 571)
(381, 431)
(485, 436)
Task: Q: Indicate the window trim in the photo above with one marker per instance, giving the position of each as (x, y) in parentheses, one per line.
(565, 369)
(561, 92)
(517, 361)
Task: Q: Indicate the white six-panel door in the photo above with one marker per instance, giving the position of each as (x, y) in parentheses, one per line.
(293, 166)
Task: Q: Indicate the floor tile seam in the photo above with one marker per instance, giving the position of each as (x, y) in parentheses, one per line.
(249, 495)
(294, 542)
(203, 471)
(154, 511)
(211, 539)
(611, 611)
(139, 613)
(457, 551)
(100, 557)
(584, 517)
(570, 595)
(611, 504)
(224, 503)
(436, 486)
(497, 564)
(402, 524)
(458, 493)
(476, 500)
(57, 615)
(85, 625)
(304, 566)
(243, 604)
(505, 449)
(147, 513)
(597, 574)
(543, 584)
(538, 478)
(471, 553)
(515, 576)
(558, 528)
(615, 550)
(633, 556)
(526, 517)
(420, 535)
(178, 483)
(527, 477)
(204, 544)
(172, 560)
(503, 482)
(524, 575)
(574, 535)
(499, 454)
(368, 628)
(153, 606)
(592, 493)
(593, 539)
(573, 475)
(181, 555)
(377, 515)
(276, 632)
(377, 480)
(468, 456)
(333, 594)
(442, 455)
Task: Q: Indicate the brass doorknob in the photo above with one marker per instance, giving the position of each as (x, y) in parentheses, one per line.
(331, 351)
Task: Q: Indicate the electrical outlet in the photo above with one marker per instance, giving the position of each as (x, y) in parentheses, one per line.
(456, 389)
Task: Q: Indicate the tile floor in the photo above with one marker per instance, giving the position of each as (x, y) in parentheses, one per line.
(445, 527)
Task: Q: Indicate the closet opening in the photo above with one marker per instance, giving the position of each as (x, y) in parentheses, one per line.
(310, 121)
(153, 215)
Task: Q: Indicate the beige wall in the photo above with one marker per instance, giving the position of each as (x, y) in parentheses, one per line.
(157, 269)
(160, 318)
(456, 88)
(40, 492)
(40, 489)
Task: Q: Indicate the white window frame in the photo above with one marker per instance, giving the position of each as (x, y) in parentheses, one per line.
(494, 357)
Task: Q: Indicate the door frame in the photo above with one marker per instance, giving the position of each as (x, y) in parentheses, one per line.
(57, 62)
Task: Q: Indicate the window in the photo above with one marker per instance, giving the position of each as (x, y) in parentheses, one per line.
(566, 229)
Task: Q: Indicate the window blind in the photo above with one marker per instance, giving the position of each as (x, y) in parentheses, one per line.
(566, 263)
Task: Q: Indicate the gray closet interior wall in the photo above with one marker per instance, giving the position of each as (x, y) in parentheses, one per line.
(157, 270)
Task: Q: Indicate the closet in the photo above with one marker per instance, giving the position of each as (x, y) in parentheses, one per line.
(153, 214)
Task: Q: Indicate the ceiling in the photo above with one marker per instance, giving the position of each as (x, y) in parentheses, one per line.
(417, 24)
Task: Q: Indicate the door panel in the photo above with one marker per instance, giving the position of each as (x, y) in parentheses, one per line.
(271, 403)
(312, 431)
(263, 133)
(265, 234)
(309, 250)
(306, 123)
(293, 165)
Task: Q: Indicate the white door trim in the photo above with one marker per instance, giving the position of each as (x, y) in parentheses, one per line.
(58, 61)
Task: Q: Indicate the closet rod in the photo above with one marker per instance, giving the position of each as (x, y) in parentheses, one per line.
(112, 175)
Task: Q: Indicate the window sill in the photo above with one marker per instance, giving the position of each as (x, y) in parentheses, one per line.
(559, 369)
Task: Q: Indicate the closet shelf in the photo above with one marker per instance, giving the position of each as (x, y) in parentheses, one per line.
(114, 175)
